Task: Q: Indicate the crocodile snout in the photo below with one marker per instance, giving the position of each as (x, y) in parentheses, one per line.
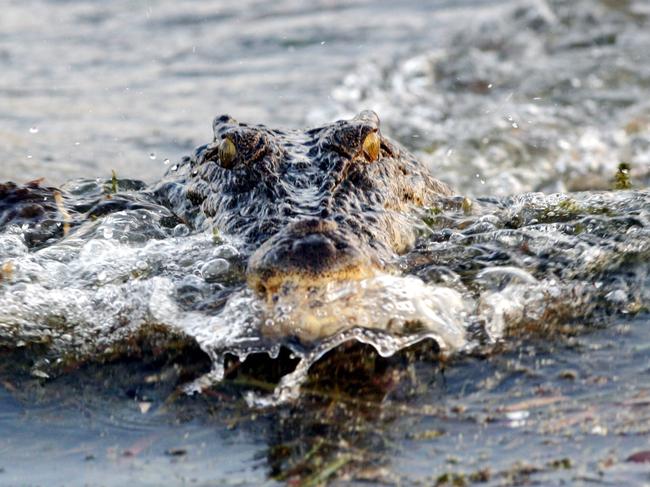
(307, 253)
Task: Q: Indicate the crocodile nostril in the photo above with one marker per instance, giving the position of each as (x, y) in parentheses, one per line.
(314, 247)
(308, 252)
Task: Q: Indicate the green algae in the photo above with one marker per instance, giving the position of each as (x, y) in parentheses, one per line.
(622, 178)
(114, 184)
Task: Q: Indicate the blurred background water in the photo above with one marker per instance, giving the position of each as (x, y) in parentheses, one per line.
(87, 86)
(551, 98)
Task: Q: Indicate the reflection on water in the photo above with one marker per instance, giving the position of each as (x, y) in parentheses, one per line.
(533, 410)
(545, 295)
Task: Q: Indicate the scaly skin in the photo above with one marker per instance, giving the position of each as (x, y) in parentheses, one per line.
(309, 206)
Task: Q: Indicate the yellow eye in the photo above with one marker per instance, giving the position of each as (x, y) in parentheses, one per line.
(371, 146)
(227, 153)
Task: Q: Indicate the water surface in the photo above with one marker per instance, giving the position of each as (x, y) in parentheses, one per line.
(533, 363)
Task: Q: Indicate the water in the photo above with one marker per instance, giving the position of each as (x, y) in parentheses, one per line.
(103, 99)
(528, 360)
(548, 98)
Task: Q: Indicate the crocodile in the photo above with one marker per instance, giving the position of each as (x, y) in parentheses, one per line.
(331, 203)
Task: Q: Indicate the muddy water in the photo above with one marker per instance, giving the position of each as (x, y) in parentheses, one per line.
(531, 354)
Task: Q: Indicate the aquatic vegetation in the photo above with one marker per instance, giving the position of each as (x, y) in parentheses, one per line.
(622, 177)
(114, 182)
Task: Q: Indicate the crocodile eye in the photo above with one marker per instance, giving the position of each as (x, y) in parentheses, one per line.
(371, 146)
(227, 153)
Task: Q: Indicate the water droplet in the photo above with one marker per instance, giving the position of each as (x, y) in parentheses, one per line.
(515, 125)
(152, 156)
(29, 156)
(181, 230)
(142, 265)
(77, 143)
(40, 374)
(174, 167)
(33, 130)
(166, 162)
(214, 268)
(322, 43)
(107, 232)
(225, 252)
(190, 286)
(517, 419)
(599, 430)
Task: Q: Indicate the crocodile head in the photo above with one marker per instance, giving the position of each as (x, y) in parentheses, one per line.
(330, 203)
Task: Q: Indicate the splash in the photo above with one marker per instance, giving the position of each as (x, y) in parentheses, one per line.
(529, 262)
(544, 99)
